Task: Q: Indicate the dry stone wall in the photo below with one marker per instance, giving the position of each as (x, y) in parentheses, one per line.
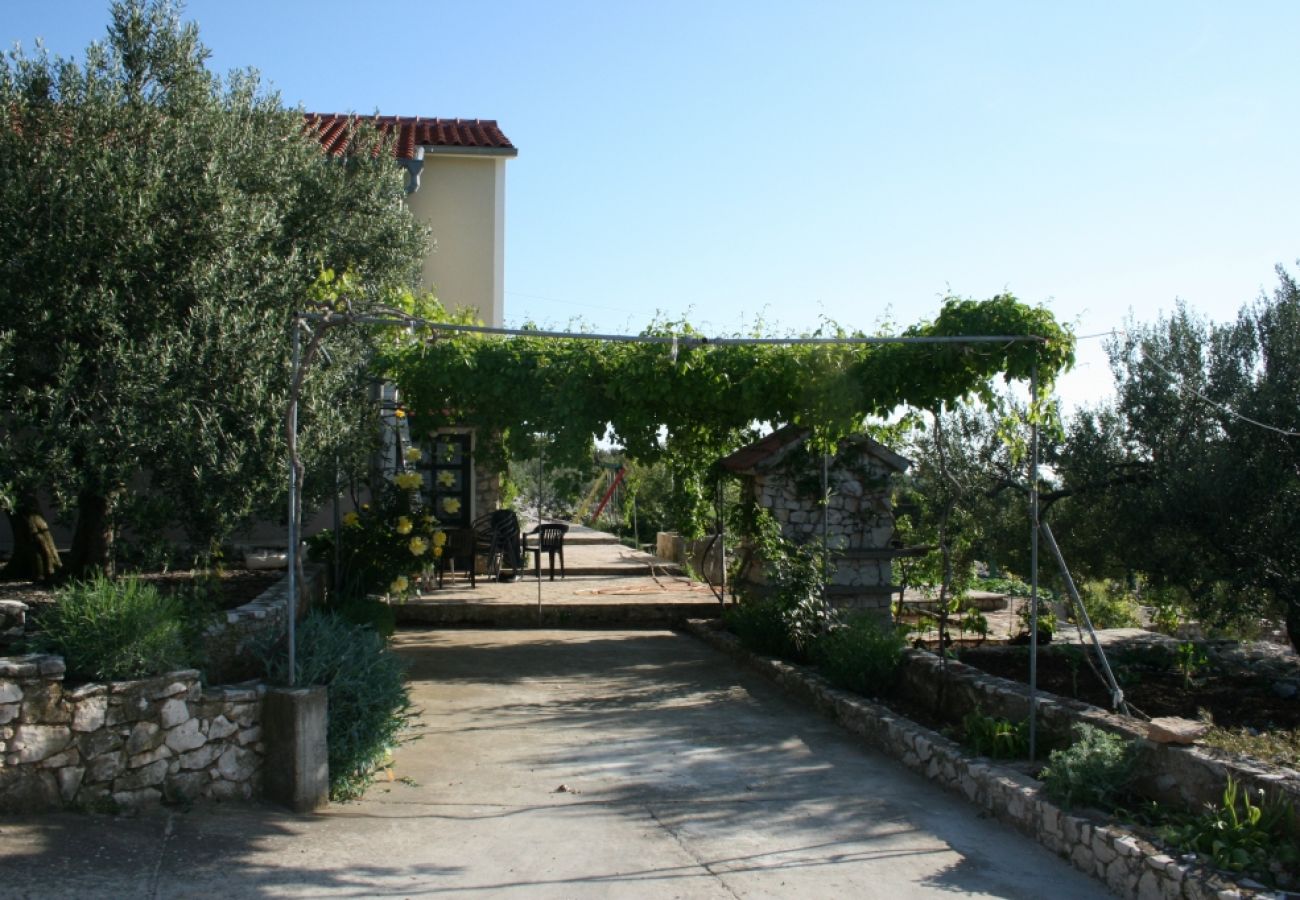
(123, 744)
(1187, 776)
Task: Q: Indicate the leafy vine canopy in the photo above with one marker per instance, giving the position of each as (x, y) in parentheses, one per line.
(689, 404)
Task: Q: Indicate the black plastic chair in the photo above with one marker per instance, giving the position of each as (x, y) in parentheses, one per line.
(550, 540)
(459, 550)
(496, 537)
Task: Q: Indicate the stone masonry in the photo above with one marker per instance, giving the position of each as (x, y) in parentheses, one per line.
(123, 744)
(856, 520)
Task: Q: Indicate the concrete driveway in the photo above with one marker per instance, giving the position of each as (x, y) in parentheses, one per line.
(571, 764)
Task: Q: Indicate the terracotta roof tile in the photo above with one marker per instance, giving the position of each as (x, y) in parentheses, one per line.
(479, 135)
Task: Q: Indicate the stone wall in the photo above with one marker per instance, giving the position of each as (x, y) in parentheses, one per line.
(857, 522)
(123, 744)
(1188, 776)
(232, 644)
(1128, 865)
(129, 743)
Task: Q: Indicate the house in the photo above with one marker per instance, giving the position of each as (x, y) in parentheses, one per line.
(783, 476)
(456, 185)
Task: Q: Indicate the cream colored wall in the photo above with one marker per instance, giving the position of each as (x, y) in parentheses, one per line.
(462, 200)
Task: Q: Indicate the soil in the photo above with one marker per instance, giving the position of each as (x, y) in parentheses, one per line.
(1152, 686)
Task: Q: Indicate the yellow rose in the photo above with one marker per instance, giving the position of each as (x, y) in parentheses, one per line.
(400, 413)
(429, 520)
(418, 545)
(440, 538)
(399, 585)
(437, 552)
(403, 525)
(446, 479)
(408, 481)
(452, 505)
(350, 519)
(412, 454)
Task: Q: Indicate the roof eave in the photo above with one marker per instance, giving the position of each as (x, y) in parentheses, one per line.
(446, 150)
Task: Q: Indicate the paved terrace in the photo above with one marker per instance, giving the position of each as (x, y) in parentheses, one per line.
(606, 584)
(558, 764)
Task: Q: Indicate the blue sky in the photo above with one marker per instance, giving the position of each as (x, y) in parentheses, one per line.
(729, 161)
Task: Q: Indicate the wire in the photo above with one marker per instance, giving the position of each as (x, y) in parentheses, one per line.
(1220, 406)
(392, 317)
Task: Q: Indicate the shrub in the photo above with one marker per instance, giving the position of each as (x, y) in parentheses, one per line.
(1092, 771)
(1109, 605)
(388, 545)
(761, 626)
(788, 615)
(368, 704)
(994, 737)
(108, 630)
(860, 655)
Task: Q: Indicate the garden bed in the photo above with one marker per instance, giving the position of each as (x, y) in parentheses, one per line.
(228, 589)
(1250, 700)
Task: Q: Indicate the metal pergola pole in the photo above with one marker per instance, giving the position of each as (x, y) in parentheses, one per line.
(293, 497)
(1033, 558)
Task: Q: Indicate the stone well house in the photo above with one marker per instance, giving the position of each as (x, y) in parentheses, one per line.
(783, 476)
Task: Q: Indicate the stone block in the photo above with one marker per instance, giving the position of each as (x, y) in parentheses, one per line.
(173, 713)
(148, 757)
(238, 764)
(43, 704)
(90, 713)
(200, 758)
(10, 692)
(171, 685)
(294, 722)
(144, 736)
(221, 728)
(105, 740)
(186, 737)
(249, 736)
(1174, 730)
(106, 768)
(69, 779)
(127, 708)
(148, 776)
(69, 757)
(9, 712)
(33, 743)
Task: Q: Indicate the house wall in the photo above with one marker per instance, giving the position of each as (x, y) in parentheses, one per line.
(462, 200)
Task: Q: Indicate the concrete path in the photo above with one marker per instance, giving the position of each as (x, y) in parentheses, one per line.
(571, 764)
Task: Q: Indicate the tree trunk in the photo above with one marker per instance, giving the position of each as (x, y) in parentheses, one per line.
(1293, 622)
(92, 542)
(35, 557)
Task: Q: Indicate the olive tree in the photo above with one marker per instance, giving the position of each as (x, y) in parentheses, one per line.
(160, 225)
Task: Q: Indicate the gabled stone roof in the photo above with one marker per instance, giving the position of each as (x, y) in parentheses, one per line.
(767, 452)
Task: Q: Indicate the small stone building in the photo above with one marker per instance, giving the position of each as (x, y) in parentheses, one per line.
(784, 476)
